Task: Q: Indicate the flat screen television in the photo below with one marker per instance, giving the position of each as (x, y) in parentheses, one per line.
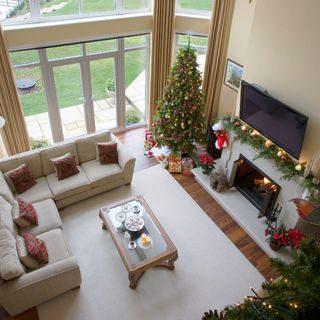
(281, 124)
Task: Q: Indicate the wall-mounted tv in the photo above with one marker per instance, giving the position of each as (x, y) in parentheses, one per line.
(272, 118)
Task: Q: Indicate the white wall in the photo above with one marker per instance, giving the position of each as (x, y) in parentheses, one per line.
(284, 57)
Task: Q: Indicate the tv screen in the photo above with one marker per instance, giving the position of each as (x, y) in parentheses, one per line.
(272, 118)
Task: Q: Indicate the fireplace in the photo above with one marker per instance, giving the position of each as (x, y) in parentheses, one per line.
(255, 185)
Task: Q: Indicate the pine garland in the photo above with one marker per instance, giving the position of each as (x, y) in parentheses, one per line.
(290, 168)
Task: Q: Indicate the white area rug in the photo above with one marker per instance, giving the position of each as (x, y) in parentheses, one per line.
(210, 271)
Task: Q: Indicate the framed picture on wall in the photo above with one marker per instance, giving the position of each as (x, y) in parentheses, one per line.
(233, 75)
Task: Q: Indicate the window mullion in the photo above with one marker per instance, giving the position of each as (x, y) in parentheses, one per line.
(52, 100)
(35, 9)
(120, 85)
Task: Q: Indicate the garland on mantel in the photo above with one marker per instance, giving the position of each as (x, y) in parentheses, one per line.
(266, 149)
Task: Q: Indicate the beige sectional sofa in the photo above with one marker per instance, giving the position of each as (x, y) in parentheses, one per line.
(92, 179)
(29, 288)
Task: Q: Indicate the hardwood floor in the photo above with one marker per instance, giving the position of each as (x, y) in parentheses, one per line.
(133, 139)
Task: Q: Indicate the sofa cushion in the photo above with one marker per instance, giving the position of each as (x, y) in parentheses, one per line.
(21, 222)
(86, 146)
(68, 187)
(31, 158)
(107, 152)
(5, 190)
(65, 166)
(6, 216)
(20, 179)
(48, 217)
(10, 265)
(54, 152)
(24, 255)
(56, 245)
(36, 247)
(101, 174)
(28, 212)
(38, 192)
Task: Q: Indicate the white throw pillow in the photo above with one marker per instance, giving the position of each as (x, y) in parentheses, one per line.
(24, 256)
(10, 265)
(5, 190)
(21, 222)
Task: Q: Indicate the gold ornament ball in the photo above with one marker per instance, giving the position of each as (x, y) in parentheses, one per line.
(298, 167)
(279, 154)
(244, 128)
(268, 143)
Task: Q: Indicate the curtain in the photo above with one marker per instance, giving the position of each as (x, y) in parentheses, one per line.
(161, 50)
(216, 55)
(14, 133)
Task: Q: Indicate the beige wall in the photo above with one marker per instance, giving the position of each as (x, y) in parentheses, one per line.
(237, 48)
(284, 57)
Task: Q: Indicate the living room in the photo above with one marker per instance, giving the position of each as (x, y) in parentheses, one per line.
(270, 40)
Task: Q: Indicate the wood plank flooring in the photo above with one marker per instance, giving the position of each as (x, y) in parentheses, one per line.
(133, 139)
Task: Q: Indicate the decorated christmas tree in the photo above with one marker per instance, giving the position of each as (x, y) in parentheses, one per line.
(179, 120)
(294, 295)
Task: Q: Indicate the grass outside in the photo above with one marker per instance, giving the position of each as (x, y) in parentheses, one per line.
(68, 77)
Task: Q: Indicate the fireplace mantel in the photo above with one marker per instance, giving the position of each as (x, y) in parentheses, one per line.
(240, 208)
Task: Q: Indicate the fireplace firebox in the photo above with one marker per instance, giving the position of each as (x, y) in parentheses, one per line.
(255, 185)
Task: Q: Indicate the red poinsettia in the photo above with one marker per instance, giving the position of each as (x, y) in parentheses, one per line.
(206, 163)
(294, 236)
(291, 237)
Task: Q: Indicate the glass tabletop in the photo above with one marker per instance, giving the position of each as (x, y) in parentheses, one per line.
(138, 233)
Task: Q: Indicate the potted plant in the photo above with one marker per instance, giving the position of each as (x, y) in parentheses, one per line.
(206, 163)
(281, 237)
(110, 90)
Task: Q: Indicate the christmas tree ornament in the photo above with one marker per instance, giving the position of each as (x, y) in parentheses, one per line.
(298, 167)
(244, 128)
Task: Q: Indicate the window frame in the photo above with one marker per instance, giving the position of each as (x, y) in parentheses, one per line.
(47, 66)
(37, 17)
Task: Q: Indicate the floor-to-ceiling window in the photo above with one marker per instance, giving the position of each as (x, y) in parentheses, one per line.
(199, 43)
(69, 90)
(24, 11)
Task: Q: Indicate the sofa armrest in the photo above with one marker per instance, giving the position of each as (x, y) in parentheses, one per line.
(40, 285)
(125, 159)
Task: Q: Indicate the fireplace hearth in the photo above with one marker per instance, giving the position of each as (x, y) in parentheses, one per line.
(255, 185)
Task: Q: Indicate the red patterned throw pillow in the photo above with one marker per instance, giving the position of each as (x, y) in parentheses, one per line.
(21, 178)
(107, 152)
(65, 166)
(28, 212)
(36, 247)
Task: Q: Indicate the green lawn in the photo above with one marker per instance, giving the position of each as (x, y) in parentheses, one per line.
(68, 77)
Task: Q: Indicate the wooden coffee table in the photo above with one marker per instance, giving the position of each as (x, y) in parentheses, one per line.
(136, 257)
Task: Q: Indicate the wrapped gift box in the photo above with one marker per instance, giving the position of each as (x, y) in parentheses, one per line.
(175, 166)
(187, 166)
(148, 145)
